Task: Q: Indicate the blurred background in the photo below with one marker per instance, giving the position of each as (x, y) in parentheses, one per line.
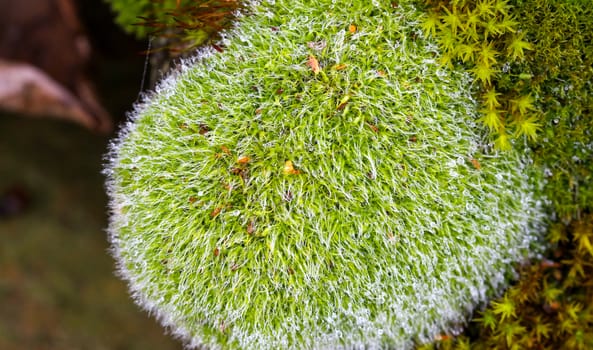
(68, 75)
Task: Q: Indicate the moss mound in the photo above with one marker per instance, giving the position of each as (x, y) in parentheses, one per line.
(319, 184)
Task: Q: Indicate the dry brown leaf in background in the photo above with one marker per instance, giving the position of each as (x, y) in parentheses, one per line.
(43, 57)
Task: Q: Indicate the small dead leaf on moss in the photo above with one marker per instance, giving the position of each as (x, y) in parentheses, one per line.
(215, 212)
(289, 168)
(546, 264)
(243, 160)
(250, 228)
(203, 129)
(373, 127)
(343, 102)
(443, 337)
(314, 64)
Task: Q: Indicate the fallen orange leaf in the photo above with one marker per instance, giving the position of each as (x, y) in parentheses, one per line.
(314, 64)
(215, 212)
(289, 168)
(243, 160)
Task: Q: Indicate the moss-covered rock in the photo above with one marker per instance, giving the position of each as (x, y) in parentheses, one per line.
(319, 184)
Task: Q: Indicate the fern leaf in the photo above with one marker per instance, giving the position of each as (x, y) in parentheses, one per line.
(452, 19)
(502, 7)
(485, 8)
(542, 329)
(502, 142)
(471, 22)
(487, 54)
(465, 52)
(488, 319)
(447, 40)
(505, 308)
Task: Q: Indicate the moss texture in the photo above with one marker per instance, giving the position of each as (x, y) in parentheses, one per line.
(549, 308)
(534, 62)
(322, 183)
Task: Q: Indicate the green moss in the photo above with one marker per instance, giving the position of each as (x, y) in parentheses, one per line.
(484, 37)
(534, 62)
(551, 302)
(130, 13)
(185, 24)
(320, 184)
(560, 68)
(550, 307)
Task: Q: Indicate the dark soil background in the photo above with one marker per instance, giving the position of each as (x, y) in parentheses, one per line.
(58, 288)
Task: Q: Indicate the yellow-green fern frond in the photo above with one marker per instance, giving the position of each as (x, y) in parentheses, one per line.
(542, 329)
(447, 40)
(491, 27)
(471, 24)
(485, 8)
(502, 142)
(446, 59)
(505, 308)
(452, 19)
(506, 25)
(465, 52)
(502, 7)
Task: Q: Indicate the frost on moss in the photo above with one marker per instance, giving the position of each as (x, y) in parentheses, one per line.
(319, 184)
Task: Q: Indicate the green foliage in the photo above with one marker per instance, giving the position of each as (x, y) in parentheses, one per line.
(560, 78)
(319, 184)
(484, 37)
(130, 13)
(549, 308)
(534, 80)
(545, 94)
(186, 23)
